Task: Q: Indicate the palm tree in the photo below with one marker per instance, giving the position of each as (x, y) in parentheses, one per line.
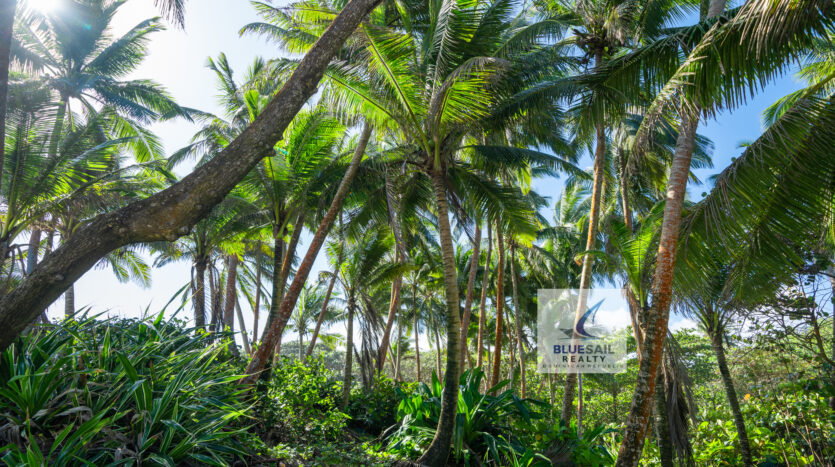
(311, 300)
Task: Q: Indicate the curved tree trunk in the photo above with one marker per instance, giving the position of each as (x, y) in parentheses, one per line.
(273, 333)
(349, 346)
(200, 293)
(656, 327)
(438, 451)
(485, 282)
(468, 301)
(495, 374)
(171, 213)
(727, 380)
(588, 260)
(287, 260)
(520, 350)
(231, 297)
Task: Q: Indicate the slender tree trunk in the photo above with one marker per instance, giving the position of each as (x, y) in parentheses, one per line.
(437, 350)
(69, 302)
(349, 346)
(7, 14)
(438, 451)
(831, 271)
(171, 213)
(519, 347)
(275, 302)
(662, 425)
(231, 297)
(733, 401)
(214, 290)
(325, 304)
(397, 283)
(291, 252)
(485, 282)
(244, 334)
(417, 331)
(301, 344)
(398, 349)
(468, 302)
(260, 357)
(656, 326)
(588, 260)
(256, 308)
(497, 352)
(200, 293)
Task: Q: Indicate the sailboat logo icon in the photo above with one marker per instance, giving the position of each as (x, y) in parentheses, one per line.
(579, 330)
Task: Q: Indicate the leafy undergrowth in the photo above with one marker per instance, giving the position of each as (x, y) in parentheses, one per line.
(153, 392)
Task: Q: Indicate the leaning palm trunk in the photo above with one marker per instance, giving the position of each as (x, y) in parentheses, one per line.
(256, 308)
(438, 451)
(417, 331)
(482, 311)
(662, 425)
(324, 309)
(656, 326)
(468, 302)
(497, 353)
(273, 333)
(730, 392)
(244, 334)
(231, 297)
(519, 347)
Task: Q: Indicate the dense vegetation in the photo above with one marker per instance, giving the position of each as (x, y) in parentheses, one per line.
(411, 172)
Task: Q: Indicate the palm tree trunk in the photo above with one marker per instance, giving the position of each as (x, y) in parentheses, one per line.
(256, 308)
(7, 14)
(291, 252)
(519, 347)
(417, 330)
(200, 293)
(831, 271)
(438, 451)
(588, 260)
(733, 401)
(273, 333)
(662, 425)
(397, 283)
(468, 301)
(324, 309)
(482, 313)
(278, 260)
(69, 302)
(231, 297)
(656, 327)
(437, 350)
(497, 352)
(399, 350)
(244, 334)
(169, 214)
(349, 346)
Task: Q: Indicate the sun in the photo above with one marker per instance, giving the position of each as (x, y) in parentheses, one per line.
(45, 6)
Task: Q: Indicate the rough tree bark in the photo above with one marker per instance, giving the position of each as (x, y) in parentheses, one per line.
(468, 302)
(170, 214)
(438, 451)
(656, 326)
(288, 302)
(244, 335)
(497, 352)
(200, 293)
(69, 302)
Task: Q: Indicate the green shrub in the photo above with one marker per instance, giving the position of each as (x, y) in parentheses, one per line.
(118, 391)
(374, 410)
(300, 403)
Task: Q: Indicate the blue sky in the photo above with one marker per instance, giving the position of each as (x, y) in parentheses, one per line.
(177, 60)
